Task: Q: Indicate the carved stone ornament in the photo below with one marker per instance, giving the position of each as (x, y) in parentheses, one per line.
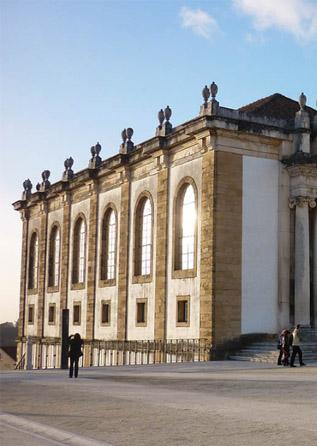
(213, 90)
(124, 135)
(301, 202)
(27, 186)
(302, 101)
(95, 161)
(168, 113)
(45, 183)
(161, 117)
(68, 173)
(206, 94)
(129, 133)
(127, 145)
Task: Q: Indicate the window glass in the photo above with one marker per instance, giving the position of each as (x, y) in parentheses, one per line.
(81, 253)
(146, 240)
(111, 245)
(76, 314)
(188, 218)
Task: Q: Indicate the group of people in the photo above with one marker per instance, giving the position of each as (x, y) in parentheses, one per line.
(287, 340)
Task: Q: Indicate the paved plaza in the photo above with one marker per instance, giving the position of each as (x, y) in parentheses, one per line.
(227, 403)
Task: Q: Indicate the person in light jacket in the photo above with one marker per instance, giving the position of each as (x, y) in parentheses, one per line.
(296, 347)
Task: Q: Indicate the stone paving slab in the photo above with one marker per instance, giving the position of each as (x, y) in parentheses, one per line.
(228, 403)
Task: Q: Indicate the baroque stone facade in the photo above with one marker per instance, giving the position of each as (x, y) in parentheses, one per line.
(206, 231)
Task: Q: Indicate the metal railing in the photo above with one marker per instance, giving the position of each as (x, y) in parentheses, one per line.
(46, 353)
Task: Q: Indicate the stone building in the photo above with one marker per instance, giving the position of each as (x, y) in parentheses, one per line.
(208, 230)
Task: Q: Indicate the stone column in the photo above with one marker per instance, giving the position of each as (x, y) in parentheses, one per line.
(315, 266)
(302, 272)
(123, 257)
(24, 262)
(92, 262)
(161, 252)
(65, 248)
(42, 268)
(207, 246)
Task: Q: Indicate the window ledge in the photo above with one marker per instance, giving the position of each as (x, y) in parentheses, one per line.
(107, 282)
(53, 289)
(182, 324)
(184, 274)
(142, 279)
(32, 291)
(78, 286)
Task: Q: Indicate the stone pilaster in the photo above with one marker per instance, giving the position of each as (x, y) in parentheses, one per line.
(315, 266)
(206, 246)
(42, 246)
(23, 280)
(123, 257)
(302, 265)
(92, 262)
(65, 249)
(228, 246)
(161, 253)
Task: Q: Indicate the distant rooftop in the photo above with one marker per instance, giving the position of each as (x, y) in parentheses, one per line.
(276, 106)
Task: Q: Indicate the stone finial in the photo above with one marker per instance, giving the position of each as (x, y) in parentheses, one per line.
(168, 113)
(27, 186)
(302, 101)
(129, 133)
(124, 135)
(45, 183)
(127, 145)
(315, 122)
(68, 173)
(95, 161)
(38, 187)
(165, 128)
(213, 90)
(161, 117)
(209, 108)
(206, 95)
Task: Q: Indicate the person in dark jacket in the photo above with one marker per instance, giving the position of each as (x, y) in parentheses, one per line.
(75, 342)
(285, 338)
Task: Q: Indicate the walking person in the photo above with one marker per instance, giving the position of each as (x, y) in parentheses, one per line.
(285, 338)
(279, 347)
(75, 342)
(296, 347)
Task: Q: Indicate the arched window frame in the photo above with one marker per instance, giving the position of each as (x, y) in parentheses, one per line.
(140, 249)
(33, 261)
(54, 264)
(109, 247)
(178, 271)
(79, 257)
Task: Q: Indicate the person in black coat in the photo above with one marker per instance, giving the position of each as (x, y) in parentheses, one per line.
(74, 342)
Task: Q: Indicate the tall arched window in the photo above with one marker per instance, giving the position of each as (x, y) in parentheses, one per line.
(185, 228)
(109, 245)
(143, 238)
(54, 257)
(79, 251)
(33, 262)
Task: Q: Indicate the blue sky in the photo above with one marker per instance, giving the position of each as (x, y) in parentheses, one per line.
(77, 72)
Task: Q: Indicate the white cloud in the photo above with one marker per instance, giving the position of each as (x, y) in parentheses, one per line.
(298, 17)
(200, 22)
